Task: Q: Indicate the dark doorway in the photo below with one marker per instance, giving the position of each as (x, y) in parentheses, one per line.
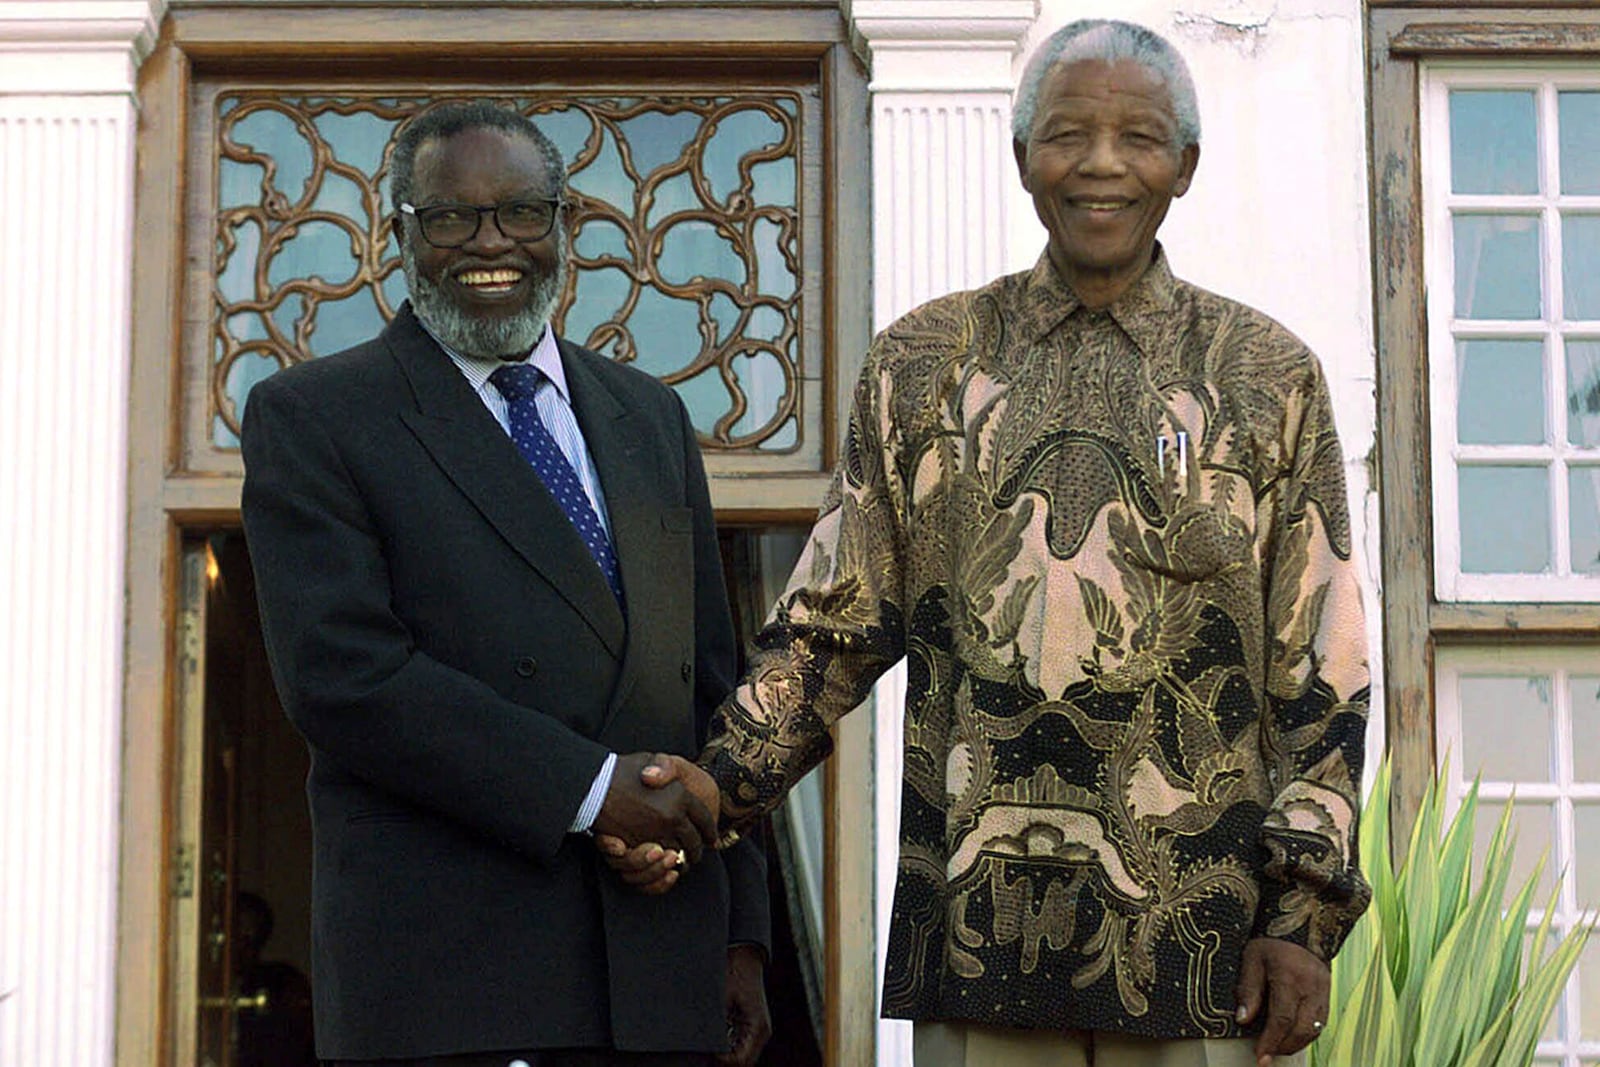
(255, 876)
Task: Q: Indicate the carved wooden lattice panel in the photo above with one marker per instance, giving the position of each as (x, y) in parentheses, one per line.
(685, 244)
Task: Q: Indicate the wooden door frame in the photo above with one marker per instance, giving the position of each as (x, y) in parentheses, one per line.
(166, 501)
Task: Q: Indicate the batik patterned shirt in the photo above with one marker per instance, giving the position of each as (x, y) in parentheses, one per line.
(1113, 546)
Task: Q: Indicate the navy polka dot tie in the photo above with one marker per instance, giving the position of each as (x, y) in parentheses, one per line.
(518, 384)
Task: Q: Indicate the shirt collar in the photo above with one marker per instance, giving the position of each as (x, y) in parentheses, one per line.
(1141, 311)
(546, 356)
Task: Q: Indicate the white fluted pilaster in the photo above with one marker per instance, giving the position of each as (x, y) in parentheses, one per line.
(939, 205)
(941, 142)
(66, 184)
(941, 173)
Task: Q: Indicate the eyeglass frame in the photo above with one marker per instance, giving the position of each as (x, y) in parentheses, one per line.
(556, 204)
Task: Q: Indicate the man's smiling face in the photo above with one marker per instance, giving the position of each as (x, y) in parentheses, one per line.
(1103, 164)
(491, 297)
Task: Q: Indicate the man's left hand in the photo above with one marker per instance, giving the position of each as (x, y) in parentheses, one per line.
(749, 1025)
(648, 868)
(1291, 986)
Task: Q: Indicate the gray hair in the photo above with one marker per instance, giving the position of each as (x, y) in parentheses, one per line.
(1108, 40)
(459, 116)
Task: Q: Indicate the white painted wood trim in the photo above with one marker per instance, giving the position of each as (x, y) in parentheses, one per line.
(75, 47)
(940, 45)
(67, 121)
(64, 296)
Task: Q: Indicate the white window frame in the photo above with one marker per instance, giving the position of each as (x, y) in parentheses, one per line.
(1438, 202)
(1562, 792)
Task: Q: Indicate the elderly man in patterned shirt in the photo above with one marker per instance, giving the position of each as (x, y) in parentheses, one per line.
(1102, 514)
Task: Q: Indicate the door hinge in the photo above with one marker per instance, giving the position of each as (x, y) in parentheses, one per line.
(183, 872)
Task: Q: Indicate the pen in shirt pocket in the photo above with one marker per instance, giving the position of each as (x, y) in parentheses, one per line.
(1179, 446)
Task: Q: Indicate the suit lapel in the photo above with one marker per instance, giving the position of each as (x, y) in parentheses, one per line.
(464, 440)
(613, 431)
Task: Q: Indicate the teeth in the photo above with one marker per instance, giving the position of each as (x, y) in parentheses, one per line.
(1102, 205)
(490, 277)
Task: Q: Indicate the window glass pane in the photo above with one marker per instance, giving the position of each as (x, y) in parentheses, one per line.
(1533, 827)
(1580, 142)
(1493, 142)
(1505, 520)
(1501, 392)
(1505, 728)
(1584, 694)
(1580, 265)
(1586, 860)
(1583, 393)
(1497, 266)
(1583, 522)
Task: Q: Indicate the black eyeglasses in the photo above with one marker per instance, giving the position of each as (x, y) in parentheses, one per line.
(453, 225)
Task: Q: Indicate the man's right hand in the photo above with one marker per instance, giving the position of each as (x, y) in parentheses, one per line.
(665, 769)
(646, 865)
(656, 808)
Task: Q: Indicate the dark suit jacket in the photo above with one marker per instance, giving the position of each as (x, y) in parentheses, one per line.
(441, 636)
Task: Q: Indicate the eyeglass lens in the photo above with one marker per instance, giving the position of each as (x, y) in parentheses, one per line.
(447, 225)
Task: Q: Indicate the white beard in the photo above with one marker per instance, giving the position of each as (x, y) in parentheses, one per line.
(506, 337)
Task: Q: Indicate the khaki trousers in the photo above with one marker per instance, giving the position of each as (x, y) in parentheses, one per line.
(964, 1045)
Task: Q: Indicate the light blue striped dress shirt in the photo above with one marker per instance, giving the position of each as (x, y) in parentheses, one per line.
(554, 401)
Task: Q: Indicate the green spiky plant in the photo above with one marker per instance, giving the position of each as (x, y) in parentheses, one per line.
(1434, 974)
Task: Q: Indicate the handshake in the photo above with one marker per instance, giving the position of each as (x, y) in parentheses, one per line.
(659, 816)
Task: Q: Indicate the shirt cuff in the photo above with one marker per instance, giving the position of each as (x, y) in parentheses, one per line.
(590, 809)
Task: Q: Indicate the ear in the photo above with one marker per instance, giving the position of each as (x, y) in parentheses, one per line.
(1020, 150)
(1188, 160)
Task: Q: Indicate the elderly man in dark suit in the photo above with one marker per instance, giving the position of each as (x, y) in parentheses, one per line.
(487, 565)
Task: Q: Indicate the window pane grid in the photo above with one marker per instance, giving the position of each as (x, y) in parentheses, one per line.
(1523, 204)
(1509, 455)
(1500, 269)
(1513, 697)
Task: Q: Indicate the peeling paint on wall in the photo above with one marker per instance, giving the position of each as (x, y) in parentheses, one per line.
(1240, 23)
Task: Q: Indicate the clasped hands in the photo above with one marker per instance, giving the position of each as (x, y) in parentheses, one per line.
(659, 816)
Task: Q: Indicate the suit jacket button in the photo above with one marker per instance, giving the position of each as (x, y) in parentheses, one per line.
(527, 666)
(686, 670)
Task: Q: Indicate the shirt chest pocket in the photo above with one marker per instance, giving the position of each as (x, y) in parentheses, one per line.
(1201, 543)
